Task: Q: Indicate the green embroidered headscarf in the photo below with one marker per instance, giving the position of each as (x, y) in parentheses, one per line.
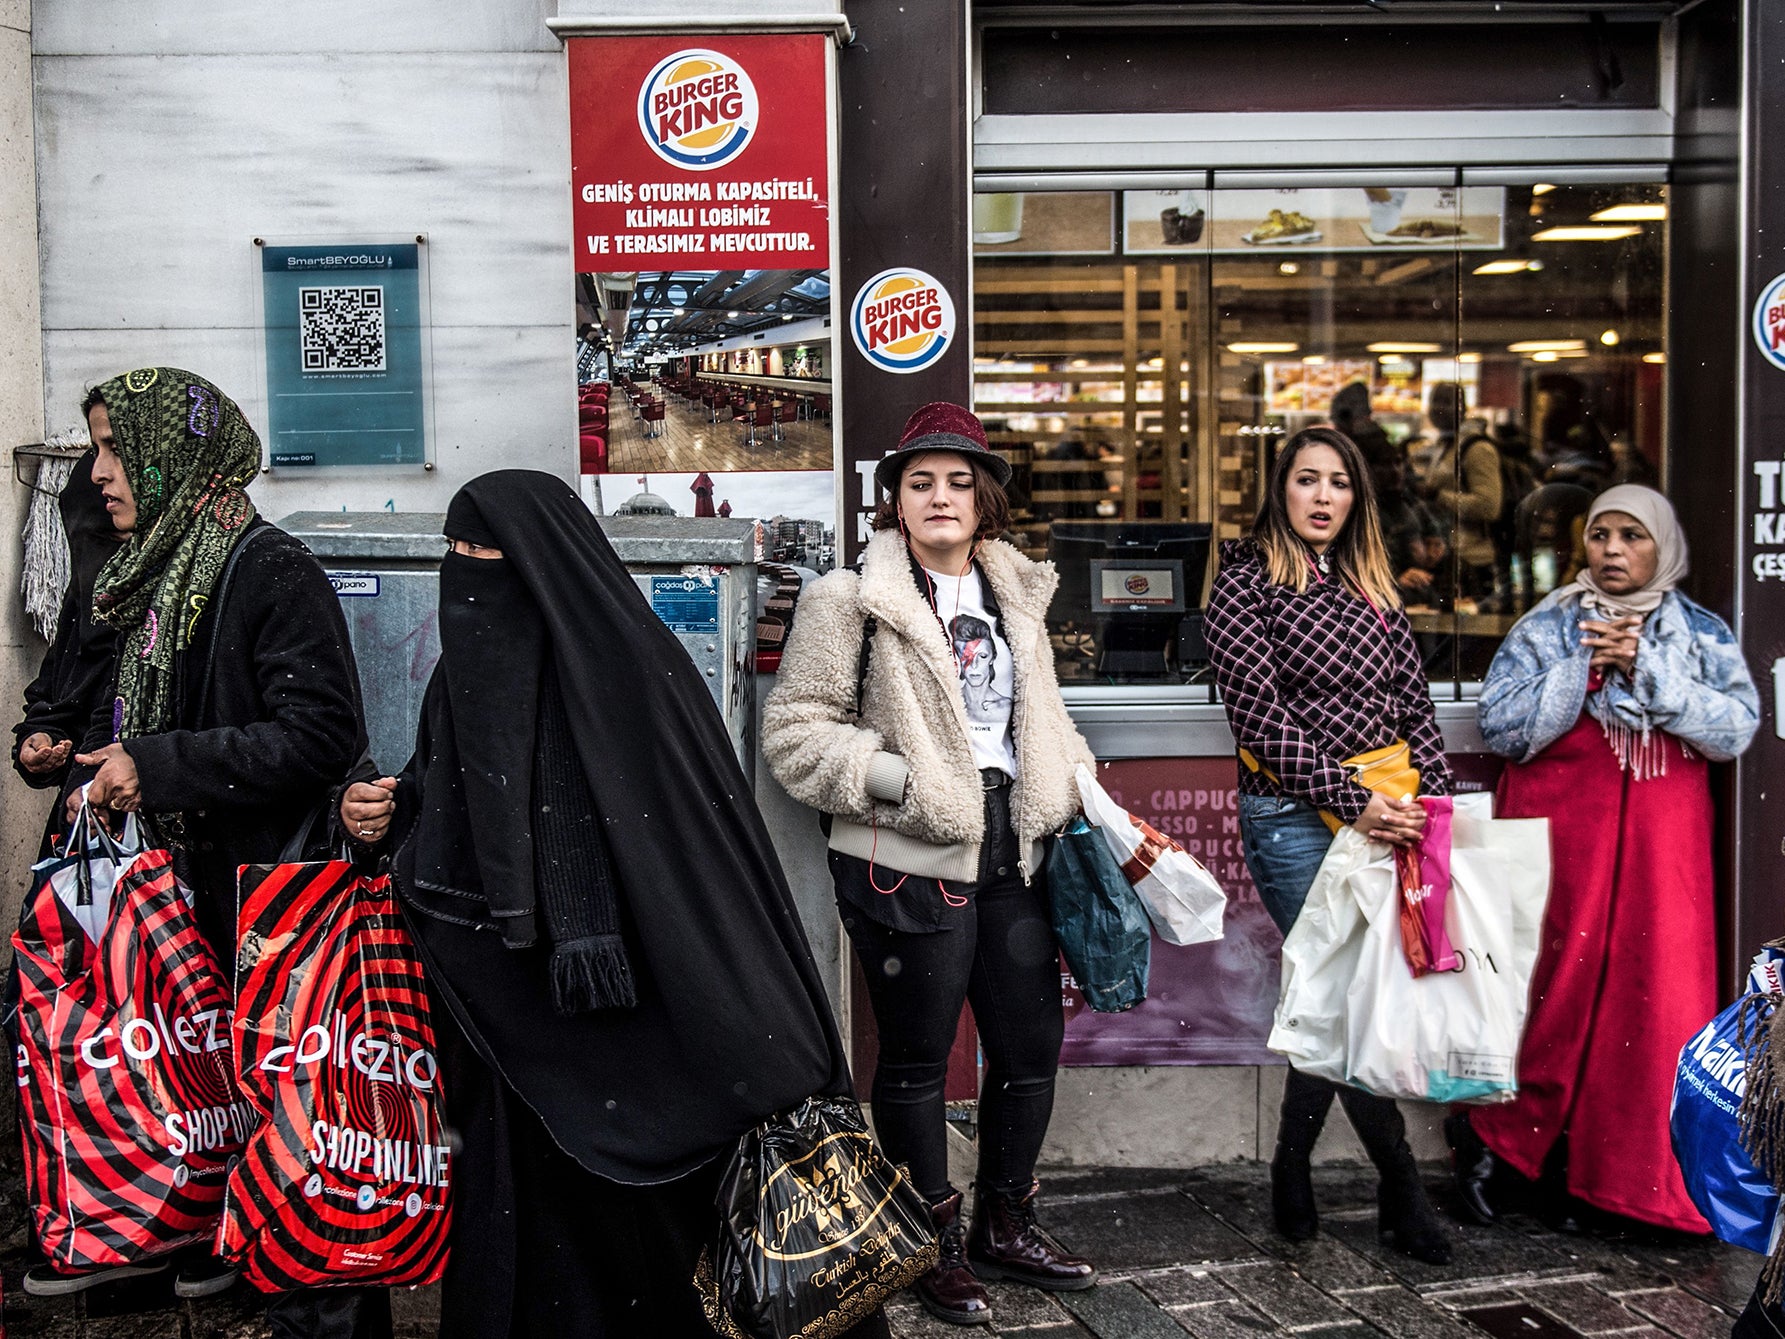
(187, 453)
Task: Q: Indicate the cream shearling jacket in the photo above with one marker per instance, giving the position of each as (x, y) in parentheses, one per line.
(900, 781)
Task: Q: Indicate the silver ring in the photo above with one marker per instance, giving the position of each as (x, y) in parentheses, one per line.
(365, 832)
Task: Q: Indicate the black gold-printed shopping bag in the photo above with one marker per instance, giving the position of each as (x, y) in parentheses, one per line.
(816, 1228)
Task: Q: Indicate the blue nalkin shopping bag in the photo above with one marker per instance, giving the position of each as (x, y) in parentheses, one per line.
(1102, 928)
(1737, 1201)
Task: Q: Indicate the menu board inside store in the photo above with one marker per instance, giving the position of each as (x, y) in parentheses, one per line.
(1377, 219)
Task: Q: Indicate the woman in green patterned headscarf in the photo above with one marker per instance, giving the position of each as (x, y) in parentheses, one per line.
(186, 453)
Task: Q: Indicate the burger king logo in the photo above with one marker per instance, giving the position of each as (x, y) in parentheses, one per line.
(902, 320)
(1137, 584)
(697, 109)
(1769, 321)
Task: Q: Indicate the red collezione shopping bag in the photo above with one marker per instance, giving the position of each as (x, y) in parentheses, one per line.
(346, 1180)
(130, 1110)
(1424, 874)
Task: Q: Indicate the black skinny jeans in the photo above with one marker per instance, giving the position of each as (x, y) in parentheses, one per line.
(1002, 957)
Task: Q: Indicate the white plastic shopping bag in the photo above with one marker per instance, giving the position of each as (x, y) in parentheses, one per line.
(1182, 899)
(1351, 1010)
(85, 872)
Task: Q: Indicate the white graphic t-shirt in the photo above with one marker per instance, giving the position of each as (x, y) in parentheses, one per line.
(982, 656)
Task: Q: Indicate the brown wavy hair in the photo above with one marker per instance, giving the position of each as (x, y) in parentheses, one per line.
(1357, 552)
(989, 501)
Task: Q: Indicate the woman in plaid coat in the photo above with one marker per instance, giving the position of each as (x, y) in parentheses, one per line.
(1316, 663)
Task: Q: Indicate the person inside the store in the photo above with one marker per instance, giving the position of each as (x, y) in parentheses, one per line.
(229, 727)
(1411, 534)
(1462, 483)
(940, 786)
(1317, 665)
(599, 908)
(1613, 698)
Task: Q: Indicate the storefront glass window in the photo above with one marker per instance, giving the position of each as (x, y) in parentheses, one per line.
(1141, 355)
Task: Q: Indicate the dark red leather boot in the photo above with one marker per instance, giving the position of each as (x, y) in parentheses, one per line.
(950, 1291)
(1007, 1243)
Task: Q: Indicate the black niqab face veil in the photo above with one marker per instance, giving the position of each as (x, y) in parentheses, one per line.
(731, 1021)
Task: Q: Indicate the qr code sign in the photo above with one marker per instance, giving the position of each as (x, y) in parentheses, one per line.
(341, 329)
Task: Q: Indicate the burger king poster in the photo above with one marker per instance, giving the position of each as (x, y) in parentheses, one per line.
(700, 152)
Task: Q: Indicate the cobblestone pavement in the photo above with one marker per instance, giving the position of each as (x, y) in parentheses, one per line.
(1181, 1253)
(1194, 1253)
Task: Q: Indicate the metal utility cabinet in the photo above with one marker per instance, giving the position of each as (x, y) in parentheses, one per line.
(698, 575)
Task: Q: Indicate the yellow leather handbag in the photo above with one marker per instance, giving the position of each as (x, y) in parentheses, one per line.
(1388, 769)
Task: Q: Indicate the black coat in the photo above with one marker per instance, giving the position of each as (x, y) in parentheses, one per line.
(279, 730)
(71, 682)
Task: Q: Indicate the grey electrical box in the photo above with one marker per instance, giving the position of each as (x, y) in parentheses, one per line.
(698, 575)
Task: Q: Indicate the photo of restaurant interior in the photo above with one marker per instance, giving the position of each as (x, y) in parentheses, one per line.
(1139, 355)
(714, 371)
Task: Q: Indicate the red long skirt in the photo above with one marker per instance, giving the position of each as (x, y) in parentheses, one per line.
(1626, 972)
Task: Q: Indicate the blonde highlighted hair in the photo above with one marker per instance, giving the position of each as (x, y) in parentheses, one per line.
(1357, 553)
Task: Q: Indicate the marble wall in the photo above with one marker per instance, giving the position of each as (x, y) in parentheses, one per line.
(168, 139)
(21, 418)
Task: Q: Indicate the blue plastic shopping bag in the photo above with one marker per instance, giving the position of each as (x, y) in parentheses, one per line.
(1102, 928)
(1737, 1201)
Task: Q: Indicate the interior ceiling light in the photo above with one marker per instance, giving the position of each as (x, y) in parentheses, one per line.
(1542, 188)
(1399, 346)
(1609, 338)
(1081, 362)
(1468, 357)
(1503, 267)
(1631, 214)
(1587, 233)
(787, 318)
(1260, 346)
(680, 312)
(1546, 345)
(1314, 360)
(1654, 357)
(1289, 267)
(1544, 356)
(731, 316)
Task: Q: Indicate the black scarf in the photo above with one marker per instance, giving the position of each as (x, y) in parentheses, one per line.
(509, 820)
(732, 1022)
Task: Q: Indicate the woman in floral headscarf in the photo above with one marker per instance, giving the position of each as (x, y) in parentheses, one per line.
(1612, 698)
(236, 710)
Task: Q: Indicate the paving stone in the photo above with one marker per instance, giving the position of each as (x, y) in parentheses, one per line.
(414, 1312)
(1402, 1314)
(1143, 1231)
(1582, 1307)
(1287, 1298)
(1182, 1287)
(155, 1325)
(1016, 1308)
(1680, 1313)
(1476, 1252)
(1332, 1266)
(1470, 1299)
(1103, 1180)
(1223, 1320)
(1122, 1311)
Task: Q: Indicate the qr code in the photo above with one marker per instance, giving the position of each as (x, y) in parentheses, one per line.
(341, 329)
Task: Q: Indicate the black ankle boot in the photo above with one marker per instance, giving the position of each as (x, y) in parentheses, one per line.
(1474, 1164)
(949, 1290)
(1306, 1101)
(1404, 1215)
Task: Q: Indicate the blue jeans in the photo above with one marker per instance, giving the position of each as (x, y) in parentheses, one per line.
(1284, 840)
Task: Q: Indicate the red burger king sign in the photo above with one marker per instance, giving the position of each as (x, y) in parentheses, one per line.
(703, 154)
(902, 320)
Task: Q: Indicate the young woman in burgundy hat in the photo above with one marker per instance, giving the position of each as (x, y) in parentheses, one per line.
(917, 706)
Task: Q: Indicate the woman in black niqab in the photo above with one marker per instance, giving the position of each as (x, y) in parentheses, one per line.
(600, 908)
